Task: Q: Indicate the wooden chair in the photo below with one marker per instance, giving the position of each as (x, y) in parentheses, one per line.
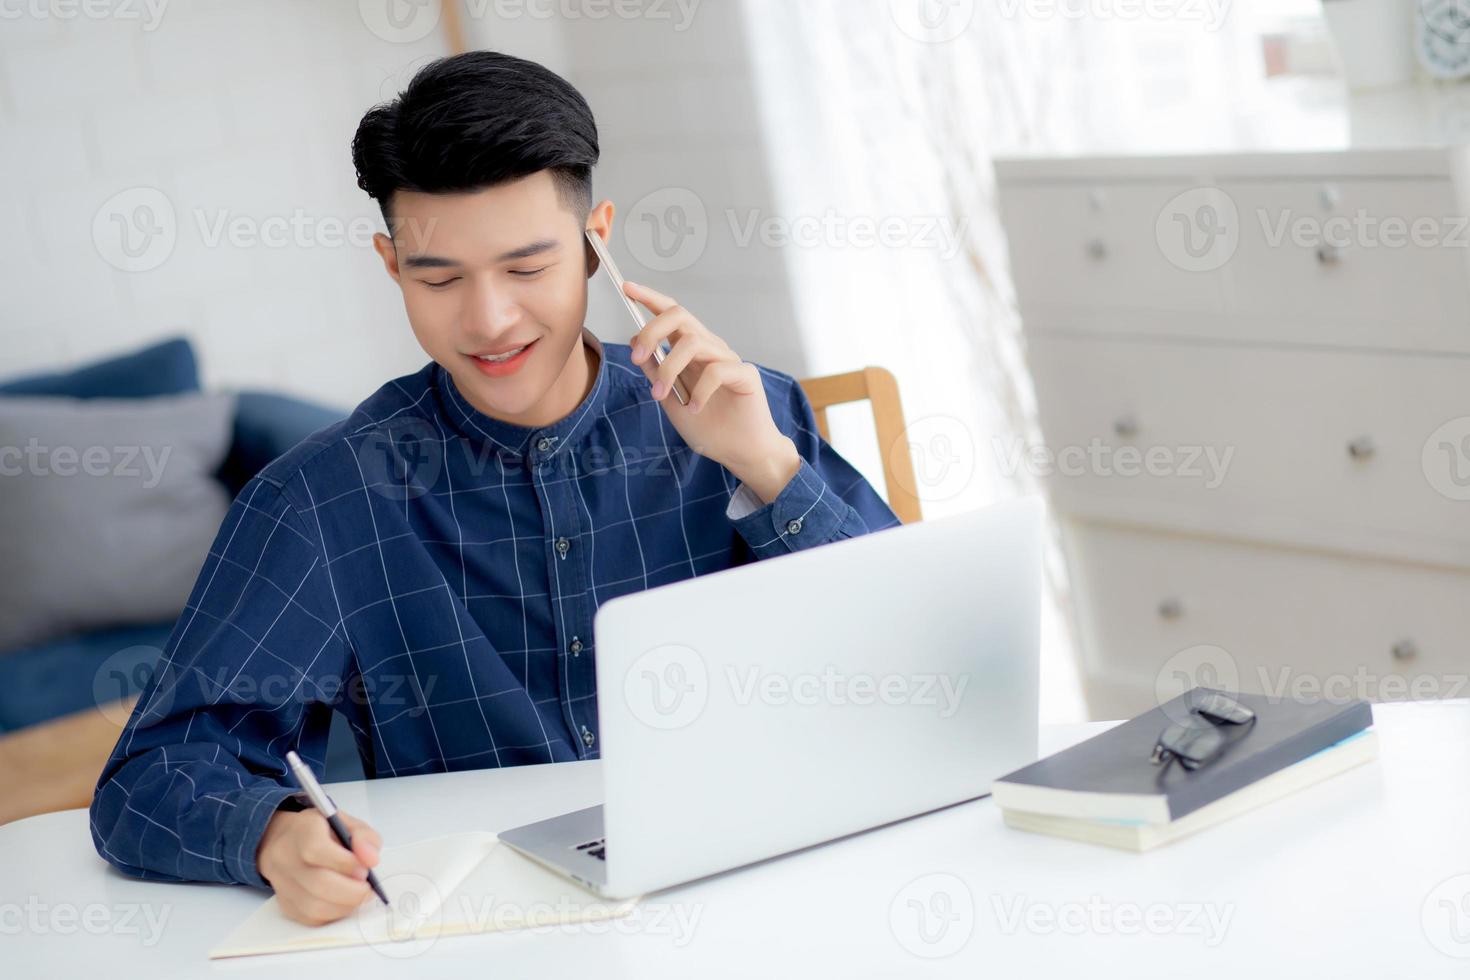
(878, 386)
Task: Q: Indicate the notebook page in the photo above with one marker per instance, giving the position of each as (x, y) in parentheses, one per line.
(510, 891)
(416, 876)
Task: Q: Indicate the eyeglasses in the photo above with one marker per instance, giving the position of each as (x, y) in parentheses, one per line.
(1199, 740)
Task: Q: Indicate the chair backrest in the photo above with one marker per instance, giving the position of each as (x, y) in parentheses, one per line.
(878, 386)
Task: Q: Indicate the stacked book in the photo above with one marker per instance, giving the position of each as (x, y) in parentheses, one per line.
(1113, 789)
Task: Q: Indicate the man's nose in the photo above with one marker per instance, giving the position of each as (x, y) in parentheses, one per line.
(491, 309)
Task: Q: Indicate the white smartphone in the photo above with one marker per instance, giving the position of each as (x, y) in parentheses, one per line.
(605, 260)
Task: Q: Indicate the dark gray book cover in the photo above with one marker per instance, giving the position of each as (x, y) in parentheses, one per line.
(1117, 761)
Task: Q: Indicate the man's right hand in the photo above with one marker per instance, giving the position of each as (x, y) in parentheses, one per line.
(315, 878)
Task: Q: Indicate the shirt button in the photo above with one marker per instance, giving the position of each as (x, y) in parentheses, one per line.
(563, 546)
(587, 737)
(793, 526)
(575, 646)
(545, 443)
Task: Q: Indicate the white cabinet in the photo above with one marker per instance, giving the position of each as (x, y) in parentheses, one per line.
(1272, 620)
(1362, 262)
(1264, 453)
(1311, 448)
(1078, 247)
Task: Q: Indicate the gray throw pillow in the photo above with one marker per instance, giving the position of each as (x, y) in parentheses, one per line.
(107, 509)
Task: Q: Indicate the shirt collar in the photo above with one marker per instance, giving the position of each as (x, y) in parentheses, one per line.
(542, 442)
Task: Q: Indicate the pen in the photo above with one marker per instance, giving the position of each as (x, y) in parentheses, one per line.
(323, 802)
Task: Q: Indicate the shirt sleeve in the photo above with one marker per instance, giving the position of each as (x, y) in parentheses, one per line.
(827, 499)
(246, 674)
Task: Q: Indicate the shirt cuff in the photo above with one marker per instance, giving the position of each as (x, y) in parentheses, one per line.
(743, 503)
(245, 826)
(806, 513)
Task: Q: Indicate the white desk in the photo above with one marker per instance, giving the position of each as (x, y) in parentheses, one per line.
(1338, 881)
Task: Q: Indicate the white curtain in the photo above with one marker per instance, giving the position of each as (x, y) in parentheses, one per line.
(881, 128)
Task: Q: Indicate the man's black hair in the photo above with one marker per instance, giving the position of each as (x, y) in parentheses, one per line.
(473, 121)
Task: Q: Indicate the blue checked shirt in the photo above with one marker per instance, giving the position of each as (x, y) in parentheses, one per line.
(431, 573)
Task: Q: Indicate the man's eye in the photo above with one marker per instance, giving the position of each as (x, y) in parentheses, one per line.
(526, 273)
(442, 283)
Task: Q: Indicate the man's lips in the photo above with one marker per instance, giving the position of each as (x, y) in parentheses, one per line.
(503, 350)
(496, 369)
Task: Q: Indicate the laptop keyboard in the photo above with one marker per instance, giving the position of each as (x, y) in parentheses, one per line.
(595, 848)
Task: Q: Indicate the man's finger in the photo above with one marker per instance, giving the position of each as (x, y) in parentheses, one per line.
(335, 889)
(680, 357)
(316, 912)
(714, 377)
(721, 374)
(673, 325)
(651, 298)
(365, 851)
(366, 842)
(324, 850)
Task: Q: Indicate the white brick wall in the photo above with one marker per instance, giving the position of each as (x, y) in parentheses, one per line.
(245, 111)
(230, 109)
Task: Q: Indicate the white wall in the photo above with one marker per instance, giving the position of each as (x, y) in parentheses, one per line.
(244, 112)
(227, 110)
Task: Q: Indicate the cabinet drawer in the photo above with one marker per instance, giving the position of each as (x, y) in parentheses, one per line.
(1357, 262)
(1318, 448)
(1160, 612)
(1381, 263)
(1088, 247)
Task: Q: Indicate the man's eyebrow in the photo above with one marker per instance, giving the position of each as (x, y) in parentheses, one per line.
(427, 262)
(533, 248)
(524, 252)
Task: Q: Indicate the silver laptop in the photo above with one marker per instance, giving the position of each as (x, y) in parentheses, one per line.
(762, 709)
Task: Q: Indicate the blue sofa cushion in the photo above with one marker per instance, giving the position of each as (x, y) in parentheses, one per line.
(50, 680)
(266, 426)
(97, 669)
(167, 368)
(43, 682)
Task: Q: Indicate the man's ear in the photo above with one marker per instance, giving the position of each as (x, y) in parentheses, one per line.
(599, 222)
(388, 252)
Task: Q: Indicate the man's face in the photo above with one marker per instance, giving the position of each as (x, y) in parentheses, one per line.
(491, 270)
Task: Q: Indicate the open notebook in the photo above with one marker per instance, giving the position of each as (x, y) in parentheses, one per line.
(455, 885)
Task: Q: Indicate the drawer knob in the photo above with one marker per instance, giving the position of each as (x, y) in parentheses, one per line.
(1329, 254)
(1126, 426)
(1097, 249)
(1361, 448)
(1405, 650)
(1171, 608)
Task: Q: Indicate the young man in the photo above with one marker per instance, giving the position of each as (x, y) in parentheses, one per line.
(429, 568)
